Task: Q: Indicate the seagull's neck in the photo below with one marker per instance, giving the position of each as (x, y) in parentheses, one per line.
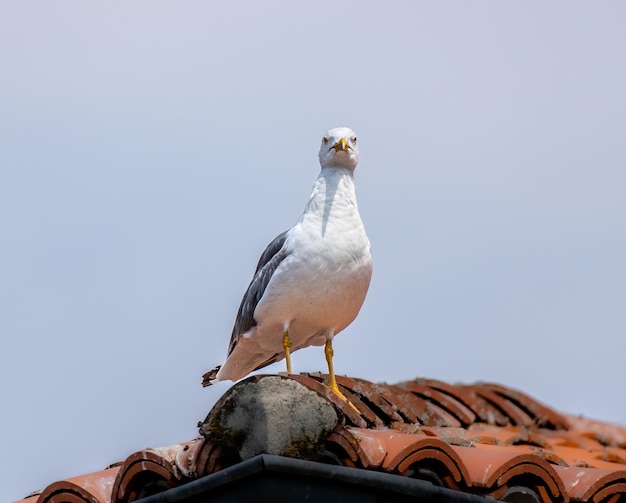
(334, 185)
(333, 199)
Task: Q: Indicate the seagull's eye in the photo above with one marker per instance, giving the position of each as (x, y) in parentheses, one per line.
(325, 140)
(353, 139)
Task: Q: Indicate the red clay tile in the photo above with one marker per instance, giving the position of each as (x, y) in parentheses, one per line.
(213, 460)
(346, 448)
(515, 435)
(444, 400)
(570, 439)
(605, 433)
(514, 413)
(149, 471)
(496, 469)
(548, 455)
(90, 488)
(186, 459)
(463, 436)
(592, 484)
(451, 409)
(205, 456)
(415, 409)
(485, 412)
(347, 385)
(540, 437)
(401, 453)
(369, 393)
(542, 415)
(489, 434)
(612, 455)
(585, 458)
(411, 408)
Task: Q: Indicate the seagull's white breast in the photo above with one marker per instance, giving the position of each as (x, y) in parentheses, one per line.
(320, 286)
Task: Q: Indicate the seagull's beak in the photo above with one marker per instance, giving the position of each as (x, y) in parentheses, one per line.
(340, 145)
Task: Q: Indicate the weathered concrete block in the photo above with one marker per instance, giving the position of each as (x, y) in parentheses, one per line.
(270, 414)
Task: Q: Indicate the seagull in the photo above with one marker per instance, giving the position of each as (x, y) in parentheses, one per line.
(311, 280)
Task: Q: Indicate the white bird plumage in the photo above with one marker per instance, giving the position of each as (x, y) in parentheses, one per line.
(311, 280)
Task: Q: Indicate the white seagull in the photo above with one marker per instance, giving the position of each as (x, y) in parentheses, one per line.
(311, 280)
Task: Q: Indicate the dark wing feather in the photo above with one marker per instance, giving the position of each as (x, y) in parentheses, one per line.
(270, 259)
(272, 249)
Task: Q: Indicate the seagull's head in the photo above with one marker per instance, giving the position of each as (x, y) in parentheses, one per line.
(338, 149)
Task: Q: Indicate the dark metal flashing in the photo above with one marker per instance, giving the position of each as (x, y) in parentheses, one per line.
(280, 479)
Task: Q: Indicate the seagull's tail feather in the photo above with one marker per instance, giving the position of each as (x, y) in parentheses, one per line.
(210, 377)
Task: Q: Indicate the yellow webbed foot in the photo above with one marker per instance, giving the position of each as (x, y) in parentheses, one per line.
(332, 381)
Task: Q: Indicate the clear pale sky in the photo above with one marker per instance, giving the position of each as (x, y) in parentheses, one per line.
(150, 150)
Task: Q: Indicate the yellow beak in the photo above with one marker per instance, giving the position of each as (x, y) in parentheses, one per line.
(340, 145)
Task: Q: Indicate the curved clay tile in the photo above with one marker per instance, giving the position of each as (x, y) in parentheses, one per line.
(592, 484)
(458, 436)
(204, 458)
(459, 410)
(571, 439)
(92, 488)
(191, 459)
(605, 433)
(484, 411)
(600, 458)
(363, 450)
(411, 408)
(402, 453)
(496, 469)
(150, 471)
(345, 447)
(529, 437)
(370, 394)
(508, 435)
(510, 410)
(351, 385)
(415, 409)
(612, 455)
(541, 414)
(478, 433)
(546, 454)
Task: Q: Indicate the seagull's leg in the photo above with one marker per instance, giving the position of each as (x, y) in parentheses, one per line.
(287, 349)
(332, 381)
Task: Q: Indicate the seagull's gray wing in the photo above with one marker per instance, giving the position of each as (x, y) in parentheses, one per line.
(270, 259)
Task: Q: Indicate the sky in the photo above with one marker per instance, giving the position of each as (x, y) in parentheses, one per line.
(150, 150)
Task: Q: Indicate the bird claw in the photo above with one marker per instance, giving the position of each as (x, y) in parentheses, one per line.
(336, 391)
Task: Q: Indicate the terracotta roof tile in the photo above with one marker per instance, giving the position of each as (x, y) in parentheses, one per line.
(204, 458)
(509, 409)
(90, 488)
(463, 414)
(371, 394)
(482, 438)
(497, 469)
(485, 412)
(399, 453)
(153, 470)
(592, 484)
(540, 414)
(607, 434)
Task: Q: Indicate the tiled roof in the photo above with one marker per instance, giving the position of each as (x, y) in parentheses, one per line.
(482, 438)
